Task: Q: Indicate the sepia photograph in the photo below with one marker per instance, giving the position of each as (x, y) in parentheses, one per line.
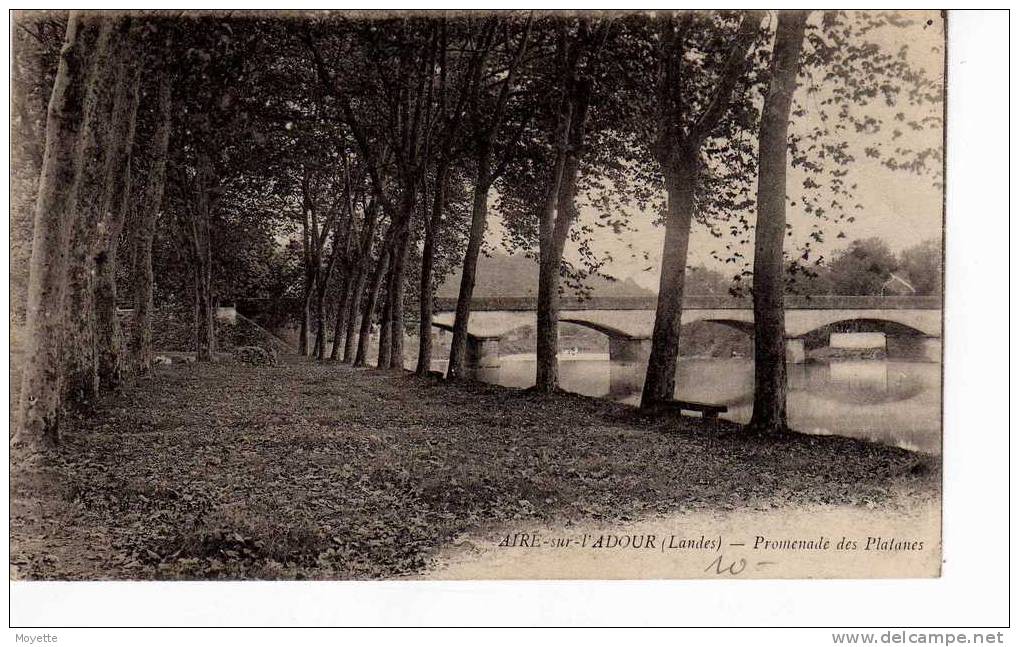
(355, 295)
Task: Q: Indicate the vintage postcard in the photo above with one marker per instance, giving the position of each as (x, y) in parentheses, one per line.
(474, 295)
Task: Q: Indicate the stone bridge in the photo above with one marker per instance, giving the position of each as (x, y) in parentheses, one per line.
(846, 321)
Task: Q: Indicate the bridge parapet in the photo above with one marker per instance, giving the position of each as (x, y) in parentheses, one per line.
(703, 302)
(470, 335)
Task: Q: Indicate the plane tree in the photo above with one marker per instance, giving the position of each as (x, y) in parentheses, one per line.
(852, 87)
(570, 157)
(702, 61)
(493, 94)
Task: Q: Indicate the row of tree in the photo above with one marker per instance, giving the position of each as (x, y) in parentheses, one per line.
(382, 142)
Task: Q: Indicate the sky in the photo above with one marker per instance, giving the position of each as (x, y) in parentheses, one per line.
(899, 207)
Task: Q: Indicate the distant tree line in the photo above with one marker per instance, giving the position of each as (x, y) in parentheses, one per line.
(864, 267)
(867, 266)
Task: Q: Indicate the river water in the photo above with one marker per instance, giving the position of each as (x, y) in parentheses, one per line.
(889, 401)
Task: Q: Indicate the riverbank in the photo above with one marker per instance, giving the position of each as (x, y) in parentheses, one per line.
(322, 471)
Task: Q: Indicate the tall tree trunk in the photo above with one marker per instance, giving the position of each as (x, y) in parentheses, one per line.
(547, 327)
(304, 340)
(769, 285)
(148, 205)
(307, 242)
(108, 335)
(118, 196)
(386, 321)
(394, 321)
(200, 239)
(556, 221)
(342, 314)
(457, 368)
(81, 363)
(378, 275)
(142, 291)
(354, 307)
(205, 309)
(660, 381)
(98, 139)
(41, 383)
(320, 319)
(363, 260)
(397, 327)
(427, 287)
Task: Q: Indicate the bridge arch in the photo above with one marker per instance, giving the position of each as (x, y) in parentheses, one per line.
(608, 331)
(867, 324)
(900, 322)
(736, 324)
(470, 336)
(518, 330)
(896, 339)
(623, 346)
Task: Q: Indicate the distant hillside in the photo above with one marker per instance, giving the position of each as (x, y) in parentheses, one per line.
(504, 275)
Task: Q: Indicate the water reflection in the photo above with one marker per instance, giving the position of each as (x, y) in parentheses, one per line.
(894, 402)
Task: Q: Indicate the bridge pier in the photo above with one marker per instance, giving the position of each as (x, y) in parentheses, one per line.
(482, 352)
(629, 349)
(932, 349)
(795, 351)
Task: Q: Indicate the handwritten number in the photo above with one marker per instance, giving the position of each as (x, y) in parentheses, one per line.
(734, 568)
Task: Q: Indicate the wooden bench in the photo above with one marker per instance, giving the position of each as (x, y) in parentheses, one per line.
(709, 411)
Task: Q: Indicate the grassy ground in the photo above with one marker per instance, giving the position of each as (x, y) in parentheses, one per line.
(323, 471)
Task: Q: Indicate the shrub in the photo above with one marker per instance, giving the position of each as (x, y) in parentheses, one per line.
(254, 355)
